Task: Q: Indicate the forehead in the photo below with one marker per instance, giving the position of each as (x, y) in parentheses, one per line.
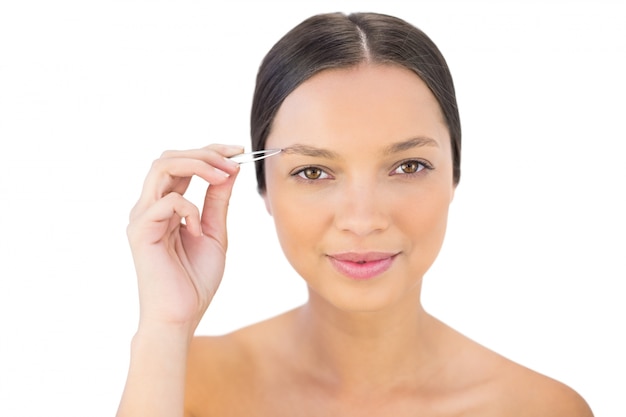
(368, 104)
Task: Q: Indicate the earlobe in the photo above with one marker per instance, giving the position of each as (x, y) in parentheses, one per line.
(267, 202)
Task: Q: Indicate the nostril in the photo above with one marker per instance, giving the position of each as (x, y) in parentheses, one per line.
(360, 209)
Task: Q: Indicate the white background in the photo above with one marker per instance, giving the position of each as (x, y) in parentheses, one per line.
(92, 91)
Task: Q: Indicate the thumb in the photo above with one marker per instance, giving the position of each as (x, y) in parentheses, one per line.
(215, 209)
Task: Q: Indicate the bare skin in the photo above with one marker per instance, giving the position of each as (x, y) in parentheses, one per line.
(271, 377)
(366, 162)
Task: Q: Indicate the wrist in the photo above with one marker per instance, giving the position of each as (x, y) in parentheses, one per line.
(161, 351)
(159, 332)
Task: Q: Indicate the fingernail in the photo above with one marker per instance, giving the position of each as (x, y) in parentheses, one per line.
(232, 163)
(225, 174)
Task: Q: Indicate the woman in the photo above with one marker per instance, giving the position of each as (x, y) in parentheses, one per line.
(363, 111)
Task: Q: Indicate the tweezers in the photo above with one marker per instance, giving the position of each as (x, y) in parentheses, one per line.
(246, 157)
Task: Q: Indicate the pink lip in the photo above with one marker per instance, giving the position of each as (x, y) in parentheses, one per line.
(361, 266)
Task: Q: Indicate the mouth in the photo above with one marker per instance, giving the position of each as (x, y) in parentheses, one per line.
(362, 266)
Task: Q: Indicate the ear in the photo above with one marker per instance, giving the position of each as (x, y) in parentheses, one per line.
(453, 192)
(266, 200)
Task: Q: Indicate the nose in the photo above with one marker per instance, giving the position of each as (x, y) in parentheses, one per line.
(361, 209)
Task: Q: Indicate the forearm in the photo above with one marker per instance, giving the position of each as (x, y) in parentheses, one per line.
(156, 378)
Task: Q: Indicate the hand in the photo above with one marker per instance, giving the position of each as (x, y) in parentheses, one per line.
(180, 266)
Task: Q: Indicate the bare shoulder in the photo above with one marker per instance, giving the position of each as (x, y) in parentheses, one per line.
(543, 396)
(221, 368)
(215, 364)
(502, 387)
(524, 392)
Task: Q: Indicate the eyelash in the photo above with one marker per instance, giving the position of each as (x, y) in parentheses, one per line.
(422, 165)
(299, 174)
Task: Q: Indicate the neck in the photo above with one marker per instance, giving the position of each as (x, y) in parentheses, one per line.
(361, 351)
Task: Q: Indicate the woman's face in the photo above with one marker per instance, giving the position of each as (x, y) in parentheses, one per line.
(361, 191)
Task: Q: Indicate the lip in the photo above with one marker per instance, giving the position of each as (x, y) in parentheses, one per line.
(362, 265)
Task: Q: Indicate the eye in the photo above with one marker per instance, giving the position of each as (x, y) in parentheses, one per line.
(311, 173)
(412, 166)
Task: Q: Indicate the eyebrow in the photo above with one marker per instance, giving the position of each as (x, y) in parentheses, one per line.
(397, 147)
(307, 150)
(415, 142)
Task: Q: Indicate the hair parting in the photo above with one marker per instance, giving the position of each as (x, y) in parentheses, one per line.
(336, 40)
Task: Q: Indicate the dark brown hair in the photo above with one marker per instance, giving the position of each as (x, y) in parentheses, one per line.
(336, 40)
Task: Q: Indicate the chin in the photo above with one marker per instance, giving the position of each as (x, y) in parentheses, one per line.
(364, 297)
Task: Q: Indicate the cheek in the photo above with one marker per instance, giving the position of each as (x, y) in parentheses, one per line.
(299, 235)
(300, 222)
(427, 211)
(423, 219)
